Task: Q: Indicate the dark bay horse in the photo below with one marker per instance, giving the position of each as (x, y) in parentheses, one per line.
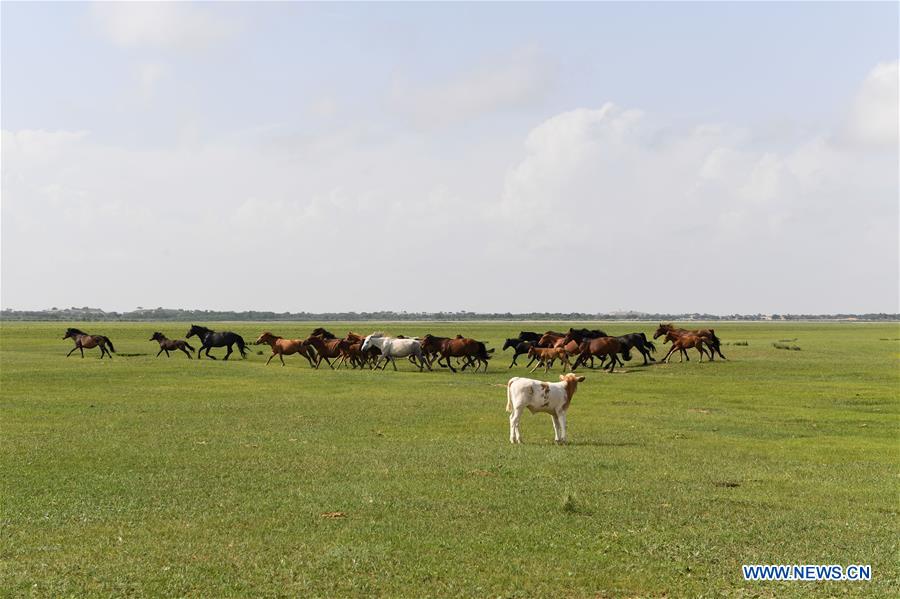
(166, 345)
(473, 351)
(84, 341)
(602, 347)
(209, 339)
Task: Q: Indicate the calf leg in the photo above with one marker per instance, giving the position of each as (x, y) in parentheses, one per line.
(562, 428)
(556, 437)
(514, 435)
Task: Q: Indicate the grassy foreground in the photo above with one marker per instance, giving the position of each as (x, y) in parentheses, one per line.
(148, 477)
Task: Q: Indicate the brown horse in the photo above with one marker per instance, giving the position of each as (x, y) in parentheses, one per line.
(371, 355)
(546, 356)
(84, 341)
(326, 349)
(431, 347)
(166, 345)
(684, 341)
(474, 352)
(601, 347)
(351, 352)
(708, 335)
(550, 339)
(285, 347)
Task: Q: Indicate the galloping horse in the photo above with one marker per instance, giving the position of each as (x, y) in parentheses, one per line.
(684, 341)
(282, 347)
(392, 347)
(639, 342)
(519, 348)
(166, 344)
(602, 347)
(209, 339)
(326, 348)
(473, 351)
(708, 336)
(84, 341)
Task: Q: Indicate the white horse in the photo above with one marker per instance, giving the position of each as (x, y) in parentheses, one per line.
(395, 348)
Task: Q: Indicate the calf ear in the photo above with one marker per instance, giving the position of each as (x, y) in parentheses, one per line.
(580, 379)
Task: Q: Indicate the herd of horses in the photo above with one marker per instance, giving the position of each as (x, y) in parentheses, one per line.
(573, 349)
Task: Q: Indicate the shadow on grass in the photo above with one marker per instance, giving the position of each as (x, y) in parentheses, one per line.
(593, 443)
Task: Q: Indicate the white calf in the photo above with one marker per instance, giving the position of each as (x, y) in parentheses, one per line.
(538, 396)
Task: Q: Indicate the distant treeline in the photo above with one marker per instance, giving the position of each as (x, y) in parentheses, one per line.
(141, 314)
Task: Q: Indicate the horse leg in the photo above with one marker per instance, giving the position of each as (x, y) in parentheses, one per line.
(327, 361)
(229, 352)
(270, 359)
(82, 351)
(167, 354)
(280, 357)
(669, 353)
(186, 352)
(70, 353)
(449, 365)
(209, 356)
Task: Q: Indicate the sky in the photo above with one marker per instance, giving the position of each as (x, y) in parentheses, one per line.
(504, 157)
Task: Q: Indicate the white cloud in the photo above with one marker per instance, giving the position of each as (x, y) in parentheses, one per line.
(754, 225)
(603, 207)
(874, 117)
(179, 25)
(503, 83)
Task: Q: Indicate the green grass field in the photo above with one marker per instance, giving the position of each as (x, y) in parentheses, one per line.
(145, 477)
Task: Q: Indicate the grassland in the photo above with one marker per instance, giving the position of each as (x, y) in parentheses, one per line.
(145, 477)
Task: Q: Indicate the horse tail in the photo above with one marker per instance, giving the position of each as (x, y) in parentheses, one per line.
(647, 343)
(108, 342)
(241, 345)
(715, 339)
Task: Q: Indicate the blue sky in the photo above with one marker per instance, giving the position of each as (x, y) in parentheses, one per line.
(744, 127)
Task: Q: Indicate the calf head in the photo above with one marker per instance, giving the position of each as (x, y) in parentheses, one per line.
(571, 380)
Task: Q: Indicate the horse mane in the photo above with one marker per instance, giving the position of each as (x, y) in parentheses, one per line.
(201, 327)
(76, 331)
(377, 334)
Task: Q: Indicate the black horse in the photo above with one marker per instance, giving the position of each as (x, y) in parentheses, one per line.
(581, 334)
(520, 348)
(639, 342)
(209, 339)
(529, 336)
